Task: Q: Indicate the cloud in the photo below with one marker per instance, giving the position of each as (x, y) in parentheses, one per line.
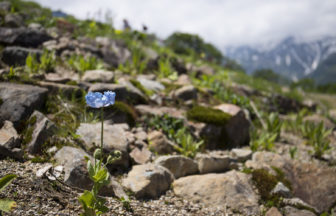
(222, 22)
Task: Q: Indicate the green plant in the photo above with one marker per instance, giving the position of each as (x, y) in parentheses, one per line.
(6, 205)
(126, 204)
(92, 204)
(167, 124)
(262, 140)
(292, 152)
(48, 61)
(80, 64)
(273, 124)
(317, 136)
(166, 70)
(208, 115)
(32, 65)
(138, 62)
(186, 143)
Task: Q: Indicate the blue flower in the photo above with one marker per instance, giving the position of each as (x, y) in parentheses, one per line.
(97, 99)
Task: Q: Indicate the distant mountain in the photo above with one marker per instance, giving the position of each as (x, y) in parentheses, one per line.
(291, 58)
(59, 13)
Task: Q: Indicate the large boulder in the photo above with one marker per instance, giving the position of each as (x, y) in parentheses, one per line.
(114, 139)
(178, 165)
(148, 180)
(15, 56)
(19, 101)
(237, 128)
(76, 173)
(232, 189)
(25, 37)
(42, 129)
(314, 184)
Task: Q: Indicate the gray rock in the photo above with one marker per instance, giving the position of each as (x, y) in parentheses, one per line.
(178, 165)
(242, 155)
(13, 20)
(141, 155)
(15, 56)
(148, 180)
(232, 189)
(114, 139)
(159, 111)
(98, 76)
(23, 37)
(5, 6)
(159, 143)
(237, 128)
(186, 93)
(66, 90)
(9, 137)
(312, 183)
(141, 135)
(212, 163)
(9, 141)
(291, 211)
(282, 190)
(43, 129)
(273, 212)
(36, 26)
(151, 84)
(76, 173)
(19, 101)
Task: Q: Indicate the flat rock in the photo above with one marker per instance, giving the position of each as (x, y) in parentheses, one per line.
(148, 180)
(178, 165)
(273, 212)
(291, 211)
(159, 111)
(114, 139)
(66, 90)
(43, 129)
(212, 163)
(151, 84)
(19, 101)
(241, 155)
(216, 190)
(98, 76)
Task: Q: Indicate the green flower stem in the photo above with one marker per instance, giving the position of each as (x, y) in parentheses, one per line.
(102, 133)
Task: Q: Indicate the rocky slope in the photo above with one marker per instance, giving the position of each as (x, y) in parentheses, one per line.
(195, 138)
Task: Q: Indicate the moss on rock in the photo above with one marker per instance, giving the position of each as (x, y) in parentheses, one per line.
(139, 86)
(208, 115)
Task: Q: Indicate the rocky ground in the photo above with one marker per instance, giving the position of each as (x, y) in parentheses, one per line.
(196, 138)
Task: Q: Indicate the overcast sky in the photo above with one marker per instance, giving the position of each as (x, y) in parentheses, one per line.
(222, 22)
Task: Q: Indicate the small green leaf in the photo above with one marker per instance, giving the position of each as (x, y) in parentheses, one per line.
(90, 169)
(101, 175)
(7, 205)
(6, 180)
(87, 199)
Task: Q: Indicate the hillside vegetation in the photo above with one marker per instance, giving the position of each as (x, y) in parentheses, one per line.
(189, 133)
